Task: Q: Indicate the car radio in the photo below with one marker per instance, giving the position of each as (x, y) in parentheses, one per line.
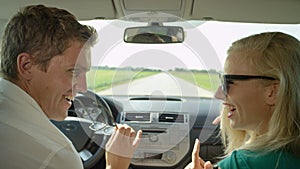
(165, 139)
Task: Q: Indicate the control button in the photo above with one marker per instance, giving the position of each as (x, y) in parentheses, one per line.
(138, 155)
(153, 138)
(136, 160)
(169, 157)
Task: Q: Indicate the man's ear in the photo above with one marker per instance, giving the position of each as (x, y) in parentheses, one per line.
(25, 65)
(271, 93)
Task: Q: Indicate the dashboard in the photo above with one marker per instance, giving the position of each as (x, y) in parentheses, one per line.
(170, 126)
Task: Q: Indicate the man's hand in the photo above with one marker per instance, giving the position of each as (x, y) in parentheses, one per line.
(121, 146)
(197, 162)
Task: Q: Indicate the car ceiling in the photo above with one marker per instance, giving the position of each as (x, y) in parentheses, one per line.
(258, 11)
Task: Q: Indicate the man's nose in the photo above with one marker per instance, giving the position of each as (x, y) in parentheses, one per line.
(80, 85)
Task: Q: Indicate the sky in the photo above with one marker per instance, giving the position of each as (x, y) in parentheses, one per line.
(204, 47)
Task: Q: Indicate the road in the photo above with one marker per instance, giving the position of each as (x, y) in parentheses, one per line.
(162, 84)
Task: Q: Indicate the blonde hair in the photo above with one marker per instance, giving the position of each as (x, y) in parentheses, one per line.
(278, 57)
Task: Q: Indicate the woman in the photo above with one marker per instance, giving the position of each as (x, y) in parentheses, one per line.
(260, 125)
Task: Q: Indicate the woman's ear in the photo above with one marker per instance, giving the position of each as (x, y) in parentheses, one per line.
(24, 65)
(271, 93)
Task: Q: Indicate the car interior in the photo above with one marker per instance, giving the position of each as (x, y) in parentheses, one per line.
(156, 67)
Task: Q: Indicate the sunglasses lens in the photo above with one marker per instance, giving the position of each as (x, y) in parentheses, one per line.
(225, 87)
(224, 84)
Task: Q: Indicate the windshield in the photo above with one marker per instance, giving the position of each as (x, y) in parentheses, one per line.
(188, 69)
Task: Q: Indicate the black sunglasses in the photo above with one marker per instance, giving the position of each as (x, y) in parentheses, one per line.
(228, 79)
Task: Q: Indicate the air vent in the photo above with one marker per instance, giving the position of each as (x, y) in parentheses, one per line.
(173, 118)
(137, 117)
(156, 98)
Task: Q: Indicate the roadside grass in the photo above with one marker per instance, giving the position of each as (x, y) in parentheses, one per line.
(205, 80)
(100, 79)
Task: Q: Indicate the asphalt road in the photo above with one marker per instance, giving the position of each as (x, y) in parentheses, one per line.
(162, 84)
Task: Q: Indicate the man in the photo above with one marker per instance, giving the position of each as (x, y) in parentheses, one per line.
(45, 55)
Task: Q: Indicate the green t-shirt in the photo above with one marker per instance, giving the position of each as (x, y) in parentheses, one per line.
(245, 159)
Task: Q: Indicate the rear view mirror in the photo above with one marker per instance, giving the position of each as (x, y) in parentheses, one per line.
(154, 34)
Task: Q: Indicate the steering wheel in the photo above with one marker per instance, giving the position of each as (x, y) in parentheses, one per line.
(90, 108)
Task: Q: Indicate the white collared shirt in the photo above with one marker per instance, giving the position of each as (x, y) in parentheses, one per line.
(28, 139)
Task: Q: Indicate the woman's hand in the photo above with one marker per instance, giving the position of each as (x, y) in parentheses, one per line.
(197, 162)
(121, 146)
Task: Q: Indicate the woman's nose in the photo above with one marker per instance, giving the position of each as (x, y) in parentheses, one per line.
(219, 94)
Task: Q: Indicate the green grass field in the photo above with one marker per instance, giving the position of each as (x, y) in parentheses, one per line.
(208, 81)
(104, 78)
